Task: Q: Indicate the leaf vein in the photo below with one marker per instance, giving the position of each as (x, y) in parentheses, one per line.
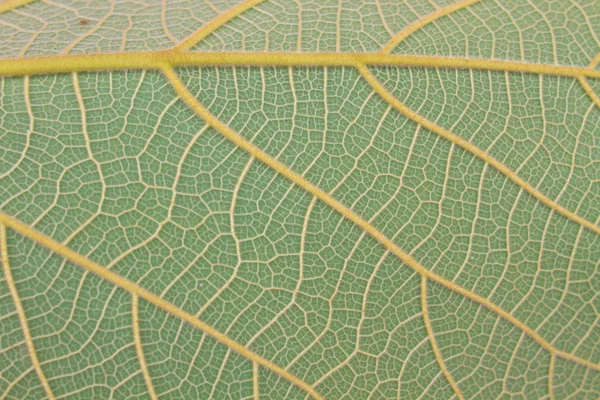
(135, 318)
(419, 119)
(326, 198)
(21, 312)
(434, 346)
(412, 28)
(119, 281)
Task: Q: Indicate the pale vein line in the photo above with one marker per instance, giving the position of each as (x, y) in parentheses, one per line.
(551, 377)
(12, 4)
(552, 34)
(33, 37)
(19, 307)
(509, 364)
(27, 100)
(238, 249)
(218, 377)
(326, 198)
(255, 391)
(86, 137)
(91, 31)
(466, 145)
(14, 345)
(61, 5)
(405, 363)
(138, 346)
(586, 86)
(299, 35)
(588, 90)
(587, 21)
(412, 28)
(14, 383)
(299, 281)
(163, 21)
(356, 350)
(124, 35)
(216, 23)
(191, 364)
(338, 26)
(434, 346)
(514, 22)
(212, 6)
(132, 288)
(382, 17)
(595, 61)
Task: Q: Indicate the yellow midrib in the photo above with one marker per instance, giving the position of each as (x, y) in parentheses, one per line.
(157, 59)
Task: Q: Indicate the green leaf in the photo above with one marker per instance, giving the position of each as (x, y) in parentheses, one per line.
(291, 199)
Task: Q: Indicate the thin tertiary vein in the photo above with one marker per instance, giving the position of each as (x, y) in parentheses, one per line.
(134, 289)
(135, 322)
(157, 59)
(21, 312)
(471, 148)
(163, 21)
(90, 32)
(27, 100)
(326, 198)
(412, 28)
(216, 23)
(434, 346)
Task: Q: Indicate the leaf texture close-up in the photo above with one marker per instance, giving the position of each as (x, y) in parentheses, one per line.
(327, 199)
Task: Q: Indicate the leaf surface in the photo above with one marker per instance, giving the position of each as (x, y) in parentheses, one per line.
(326, 199)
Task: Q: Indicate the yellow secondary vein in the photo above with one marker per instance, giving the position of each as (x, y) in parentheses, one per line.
(22, 317)
(255, 388)
(135, 290)
(387, 96)
(216, 23)
(12, 4)
(412, 28)
(434, 346)
(588, 90)
(595, 61)
(326, 198)
(135, 321)
(156, 59)
(551, 377)
(586, 86)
